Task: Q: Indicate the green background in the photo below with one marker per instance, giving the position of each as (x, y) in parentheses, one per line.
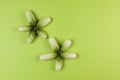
(93, 25)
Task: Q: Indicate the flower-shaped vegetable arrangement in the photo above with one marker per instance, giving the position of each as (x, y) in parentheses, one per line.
(59, 52)
(35, 26)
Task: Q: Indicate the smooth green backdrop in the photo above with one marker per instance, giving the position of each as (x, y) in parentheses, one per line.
(93, 25)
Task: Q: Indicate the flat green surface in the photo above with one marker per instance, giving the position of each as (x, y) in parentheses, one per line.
(93, 25)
